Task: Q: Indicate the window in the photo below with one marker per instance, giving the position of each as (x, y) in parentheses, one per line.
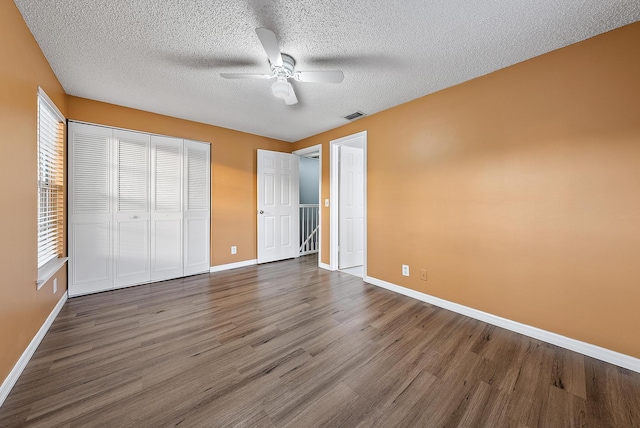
(50, 182)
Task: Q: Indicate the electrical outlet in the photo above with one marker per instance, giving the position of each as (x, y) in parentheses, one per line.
(423, 274)
(234, 250)
(405, 270)
(55, 285)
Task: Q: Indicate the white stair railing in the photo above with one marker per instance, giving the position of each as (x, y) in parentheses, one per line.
(309, 227)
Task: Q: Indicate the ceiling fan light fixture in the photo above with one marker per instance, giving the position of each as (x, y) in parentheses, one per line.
(280, 89)
(291, 99)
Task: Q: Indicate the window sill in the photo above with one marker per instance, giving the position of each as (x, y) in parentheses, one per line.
(48, 270)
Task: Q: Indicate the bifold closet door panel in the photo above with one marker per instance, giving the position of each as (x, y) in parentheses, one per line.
(166, 208)
(131, 220)
(139, 208)
(89, 210)
(197, 211)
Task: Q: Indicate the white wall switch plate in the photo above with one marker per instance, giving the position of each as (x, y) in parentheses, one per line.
(326, 202)
(55, 285)
(234, 250)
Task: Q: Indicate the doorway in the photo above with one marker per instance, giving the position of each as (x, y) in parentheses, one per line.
(348, 209)
(310, 212)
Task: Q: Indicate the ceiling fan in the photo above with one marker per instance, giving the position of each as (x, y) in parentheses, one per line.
(283, 69)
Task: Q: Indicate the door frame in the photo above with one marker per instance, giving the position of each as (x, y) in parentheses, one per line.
(334, 147)
(307, 151)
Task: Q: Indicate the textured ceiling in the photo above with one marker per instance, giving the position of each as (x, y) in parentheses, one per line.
(166, 56)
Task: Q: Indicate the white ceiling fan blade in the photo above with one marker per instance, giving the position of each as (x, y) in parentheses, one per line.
(328, 76)
(245, 76)
(270, 44)
(291, 99)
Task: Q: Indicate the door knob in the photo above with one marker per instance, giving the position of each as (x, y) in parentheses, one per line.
(261, 212)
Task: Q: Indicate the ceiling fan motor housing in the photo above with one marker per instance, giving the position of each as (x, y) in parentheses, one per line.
(287, 68)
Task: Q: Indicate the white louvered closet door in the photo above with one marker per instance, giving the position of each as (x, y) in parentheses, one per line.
(197, 215)
(131, 253)
(166, 208)
(90, 216)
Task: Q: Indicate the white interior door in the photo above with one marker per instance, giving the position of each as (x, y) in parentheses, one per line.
(278, 214)
(131, 212)
(90, 216)
(351, 209)
(197, 207)
(166, 208)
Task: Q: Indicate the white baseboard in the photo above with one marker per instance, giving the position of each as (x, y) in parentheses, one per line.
(584, 348)
(324, 266)
(15, 373)
(235, 265)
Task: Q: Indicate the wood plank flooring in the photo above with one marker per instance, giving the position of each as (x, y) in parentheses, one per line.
(290, 345)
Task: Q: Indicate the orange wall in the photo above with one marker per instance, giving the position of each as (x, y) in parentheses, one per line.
(233, 169)
(23, 68)
(518, 191)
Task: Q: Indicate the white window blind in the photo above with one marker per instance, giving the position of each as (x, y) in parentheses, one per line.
(50, 181)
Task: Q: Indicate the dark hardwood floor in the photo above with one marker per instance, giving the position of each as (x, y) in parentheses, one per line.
(288, 344)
